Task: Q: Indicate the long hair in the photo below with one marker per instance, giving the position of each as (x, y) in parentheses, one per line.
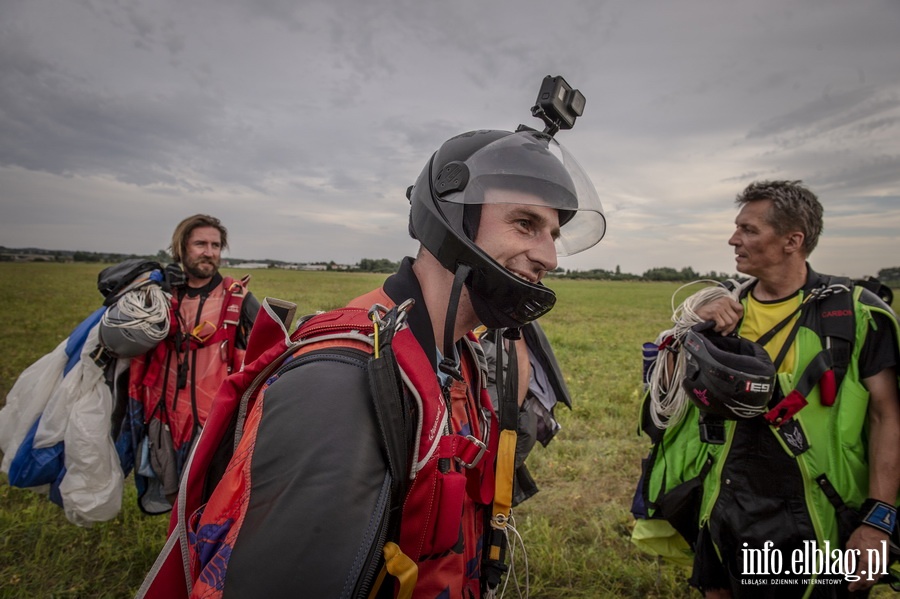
(183, 231)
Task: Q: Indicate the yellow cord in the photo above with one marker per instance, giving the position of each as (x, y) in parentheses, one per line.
(375, 326)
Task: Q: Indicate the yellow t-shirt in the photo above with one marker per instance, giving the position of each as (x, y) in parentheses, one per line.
(761, 317)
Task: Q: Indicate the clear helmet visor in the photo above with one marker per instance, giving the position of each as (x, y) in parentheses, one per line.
(539, 171)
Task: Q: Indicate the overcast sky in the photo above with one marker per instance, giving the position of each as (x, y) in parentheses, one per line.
(300, 124)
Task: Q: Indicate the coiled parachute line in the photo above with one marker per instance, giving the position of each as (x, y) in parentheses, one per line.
(144, 308)
(668, 400)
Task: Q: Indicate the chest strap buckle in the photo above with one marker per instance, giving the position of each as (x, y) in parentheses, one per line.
(477, 447)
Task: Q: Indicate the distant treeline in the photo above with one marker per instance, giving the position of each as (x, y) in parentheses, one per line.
(379, 265)
(41, 255)
(654, 274)
(888, 276)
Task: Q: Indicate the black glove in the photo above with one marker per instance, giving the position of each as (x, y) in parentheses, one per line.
(173, 277)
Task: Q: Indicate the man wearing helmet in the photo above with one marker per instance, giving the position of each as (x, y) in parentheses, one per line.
(492, 210)
(818, 465)
(175, 383)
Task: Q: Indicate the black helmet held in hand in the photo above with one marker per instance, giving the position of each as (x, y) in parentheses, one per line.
(727, 376)
(445, 209)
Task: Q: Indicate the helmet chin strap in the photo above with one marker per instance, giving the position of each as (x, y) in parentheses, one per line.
(450, 363)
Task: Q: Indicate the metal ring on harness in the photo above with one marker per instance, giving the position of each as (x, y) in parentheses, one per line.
(375, 314)
(380, 314)
(499, 520)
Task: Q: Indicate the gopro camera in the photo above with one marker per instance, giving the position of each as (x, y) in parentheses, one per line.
(558, 105)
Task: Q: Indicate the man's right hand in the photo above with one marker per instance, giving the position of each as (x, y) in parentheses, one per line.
(725, 311)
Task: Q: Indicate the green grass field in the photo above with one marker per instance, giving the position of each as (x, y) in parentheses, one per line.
(576, 530)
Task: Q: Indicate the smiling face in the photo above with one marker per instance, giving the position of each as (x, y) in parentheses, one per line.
(202, 254)
(759, 250)
(519, 236)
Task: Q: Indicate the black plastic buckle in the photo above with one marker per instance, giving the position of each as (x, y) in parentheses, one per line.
(101, 357)
(712, 430)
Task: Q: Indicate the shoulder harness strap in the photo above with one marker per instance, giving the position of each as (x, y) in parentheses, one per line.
(229, 317)
(831, 315)
(837, 327)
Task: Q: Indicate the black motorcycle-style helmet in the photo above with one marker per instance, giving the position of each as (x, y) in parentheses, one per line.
(727, 376)
(452, 187)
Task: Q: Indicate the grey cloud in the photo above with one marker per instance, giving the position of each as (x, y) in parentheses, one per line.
(303, 123)
(861, 173)
(747, 177)
(51, 123)
(875, 126)
(829, 112)
(865, 205)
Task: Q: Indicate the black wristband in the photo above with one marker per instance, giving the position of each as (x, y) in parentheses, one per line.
(879, 514)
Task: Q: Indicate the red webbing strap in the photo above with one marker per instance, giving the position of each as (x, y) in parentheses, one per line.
(415, 365)
(481, 474)
(230, 313)
(817, 371)
(235, 292)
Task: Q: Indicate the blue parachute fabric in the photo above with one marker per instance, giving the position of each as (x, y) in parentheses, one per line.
(131, 434)
(79, 336)
(125, 444)
(34, 467)
(55, 494)
(125, 451)
(638, 505)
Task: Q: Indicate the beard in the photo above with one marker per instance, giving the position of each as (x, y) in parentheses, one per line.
(201, 268)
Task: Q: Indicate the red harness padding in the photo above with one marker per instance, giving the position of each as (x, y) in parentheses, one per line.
(229, 317)
(433, 515)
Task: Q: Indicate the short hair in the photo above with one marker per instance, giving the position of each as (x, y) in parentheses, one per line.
(183, 231)
(794, 207)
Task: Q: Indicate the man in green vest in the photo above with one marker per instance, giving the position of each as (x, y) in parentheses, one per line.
(798, 501)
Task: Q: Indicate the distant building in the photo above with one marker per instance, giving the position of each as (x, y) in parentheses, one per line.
(318, 266)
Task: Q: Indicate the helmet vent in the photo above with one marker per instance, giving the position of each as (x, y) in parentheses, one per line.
(453, 177)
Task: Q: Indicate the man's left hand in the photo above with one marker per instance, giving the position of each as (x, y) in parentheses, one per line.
(865, 539)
